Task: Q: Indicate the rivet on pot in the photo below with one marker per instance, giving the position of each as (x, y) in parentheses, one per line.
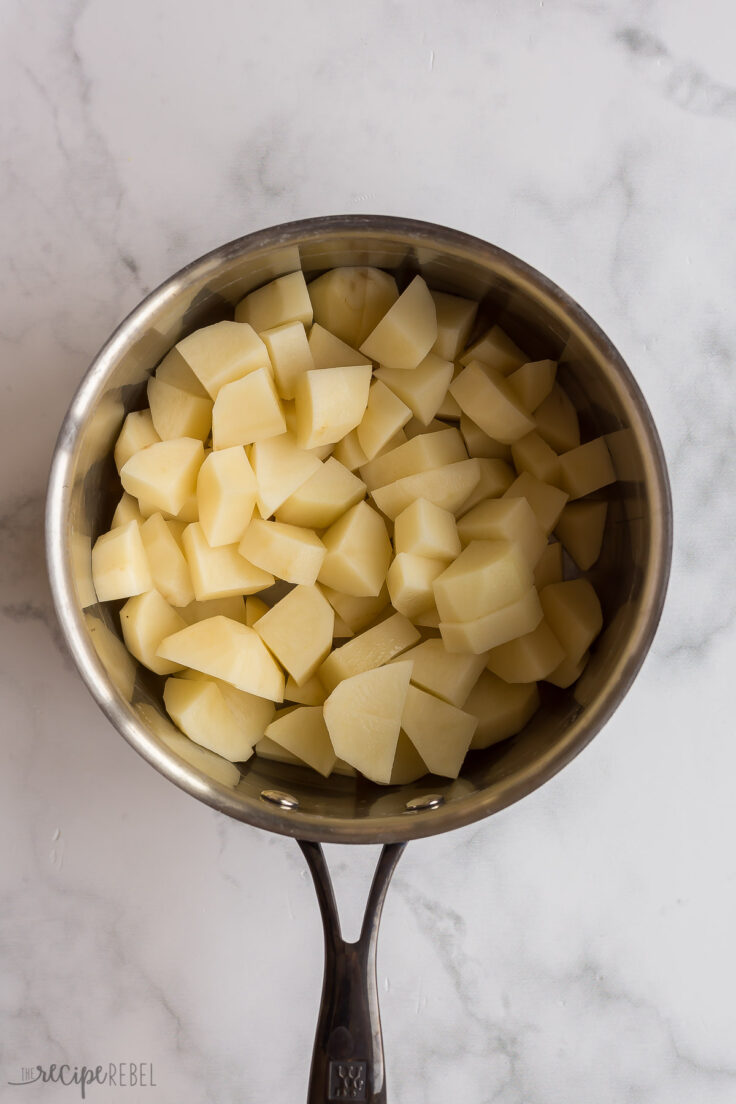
(429, 801)
(278, 797)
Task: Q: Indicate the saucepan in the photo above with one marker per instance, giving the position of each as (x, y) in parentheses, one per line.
(630, 578)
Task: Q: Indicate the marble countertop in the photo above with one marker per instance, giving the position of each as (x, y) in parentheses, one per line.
(576, 947)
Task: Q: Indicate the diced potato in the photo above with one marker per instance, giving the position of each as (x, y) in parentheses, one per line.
(266, 748)
(407, 331)
(479, 444)
(323, 498)
(423, 529)
(254, 609)
(586, 468)
(112, 654)
(290, 355)
(408, 765)
(529, 658)
(289, 552)
(311, 692)
(384, 416)
(557, 421)
(341, 630)
(126, 510)
(440, 732)
(285, 299)
(423, 453)
(357, 613)
(304, 733)
(252, 712)
(329, 403)
(455, 318)
(574, 615)
(449, 408)
(166, 561)
(349, 452)
(214, 766)
(350, 301)
(410, 580)
(486, 576)
(533, 382)
(320, 451)
(496, 349)
(247, 410)
(358, 552)
(175, 371)
(519, 617)
(549, 566)
(229, 651)
(119, 565)
(220, 572)
(145, 620)
(178, 413)
(233, 607)
(546, 501)
(568, 671)
(363, 717)
(226, 495)
(138, 432)
(502, 708)
(532, 454)
(496, 476)
(448, 487)
(510, 519)
(485, 395)
(200, 710)
(423, 389)
(580, 528)
(328, 351)
(298, 631)
(373, 648)
(448, 675)
(164, 475)
(281, 468)
(223, 353)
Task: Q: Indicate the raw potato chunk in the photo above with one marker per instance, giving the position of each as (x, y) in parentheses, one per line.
(178, 413)
(532, 454)
(502, 709)
(448, 487)
(298, 631)
(166, 561)
(175, 371)
(220, 572)
(254, 609)
(328, 351)
(424, 389)
(283, 300)
(557, 421)
(350, 301)
(428, 619)
(252, 713)
(440, 732)
(226, 496)
(372, 648)
(266, 748)
(496, 349)
(479, 444)
(233, 607)
(304, 733)
(580, 528)
(323, 498)
(483, 394)
(287, 551)
(188, 513)
(200, 710)
(247, 410)
(498, 627)
(363, 717)
(449, 408)
(223, 353)
(356, 613)
(341, 631)
(533, 382)
(586, 468)
(496, 476)
(164, 475)
(280, 469)
(119, 565)
(568, 671)
(407, 331)
(409, 582)
(574, 615)
(311, 692)
(448, 675)
(214, 766)
(486, 576)
(229, 651)
(145, 620)
(510, 519)
(546, 501)
(408, 764)
(420, 454)
(290, 355)
(320, 451)
(329, 403)
(137, 433)
(385, 414)
(358, 553)
(423, 529)
(349, 452)
(126, 510)
(455, 318)
(549, 566)
(529, 658)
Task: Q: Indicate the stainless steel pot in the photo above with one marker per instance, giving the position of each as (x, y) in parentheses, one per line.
(631, 577)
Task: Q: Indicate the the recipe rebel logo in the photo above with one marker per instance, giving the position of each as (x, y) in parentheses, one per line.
(117, 1075)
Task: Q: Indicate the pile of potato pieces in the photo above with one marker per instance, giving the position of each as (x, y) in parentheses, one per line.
(341, 438)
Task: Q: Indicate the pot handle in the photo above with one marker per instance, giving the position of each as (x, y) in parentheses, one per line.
(347, 1061)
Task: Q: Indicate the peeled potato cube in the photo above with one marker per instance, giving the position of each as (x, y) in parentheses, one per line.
(568, 672)
(486, 576)
(502, 708)
(320, 451)
(323, 498)
(166, 561)
(226, 496)
(328, 351)
(175, 371)
(410, 580)
(266, 748)
(372, 648)
(287, 551)
(424, 529)
(349, 452)
(358, 552)
(341, 631)
(495, 628)
(222, 353)
(423, 453)
(448, 675)
(229, 651)
(363, 717)
(119, 565)
(200, 710)
(254, 609)
(549, 566)
(311, 692)
(247, 410)
(407, 331)
(285, 299)
(290, 355)
(532, 454)
(253, 713)
(455, 318)
(485, 395)
(496, 476)
(385, 414)
(220, 572)
(428, 619)
(496, 349)
(178, 413)
(126, 510)
(449, 408)
(557, 421)
(164, 475)
(145, 620)
(448, 487)
(280, 468)
(479, 444)
(210, 764)
(350, 301)
(586, 468)
(137, 433)
(440, 732)
(528, 658)
(304, 733)
(574, 615)
(509, 519)
(422, 389)
(580, 528)
(233, 607)
(546, 501)
(357, 613)
(329, 403)
(533, 382)
(408, 765)
(298, 631)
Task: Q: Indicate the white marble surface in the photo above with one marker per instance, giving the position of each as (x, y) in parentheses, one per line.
(579, 946)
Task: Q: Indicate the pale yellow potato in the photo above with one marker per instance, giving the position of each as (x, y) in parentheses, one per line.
(485, 396)
(175, 371)
(126, 510)
(502, 708)
(252, 712)
(424, 529)
(166, 560)
(266, 748)
(423, 389)
(285, 299)
(329, 403)
(323, 498)
(247, 410)
(496, 476)
(178, 413)
(349, 452)
(479, 444)
(304, 733)
(528, 658)
(254, 609)
(214, 766)
(510, 519)
(200, 710)
(112, 654)
(568, 672)
(581, 528)
(311, 692)
(428, 619)
(373, 648)
(226, 495)
(289, 552)
(188, 513)
(298, 631)
(546, 501)
(363, 717)
(220, 572)
(408, 765)
(119, 564)
(549, 566)
(480, 635)
(281, 467)
(486, 576)
(448, 487)
(455, 318)
(328, 351)
(341, 630)
(532, 454)
(164, 475)
(229, 651)
(290, 355)
(320, 451)
(350, 301)
(557, 421)
(358, 552)
(496, 349)
(407, 331)
(440, 732)
(137, 433)
(146, 620)
(233, 607)
(409, 581)
(448, 675)
(586, 468)
(385, 414)
(449, 408)
(574, 615)
(420, 454)
(533, 382)
(357, 613)
(222, 353)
